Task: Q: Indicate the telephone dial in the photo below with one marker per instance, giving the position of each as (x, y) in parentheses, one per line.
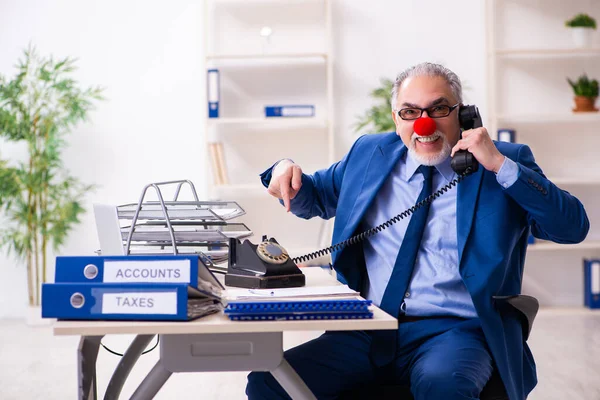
(268, 265)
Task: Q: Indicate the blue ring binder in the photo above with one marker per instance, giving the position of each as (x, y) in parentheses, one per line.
(299, 310)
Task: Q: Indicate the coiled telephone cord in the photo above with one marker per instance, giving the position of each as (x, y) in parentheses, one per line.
(372, 231)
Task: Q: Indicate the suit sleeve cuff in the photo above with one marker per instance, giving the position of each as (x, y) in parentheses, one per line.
(265, 177)
(508, 173)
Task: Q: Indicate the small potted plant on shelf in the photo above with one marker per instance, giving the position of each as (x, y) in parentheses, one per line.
(582, 27)
(586, 92)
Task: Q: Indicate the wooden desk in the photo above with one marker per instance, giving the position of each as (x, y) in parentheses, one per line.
(212, 343)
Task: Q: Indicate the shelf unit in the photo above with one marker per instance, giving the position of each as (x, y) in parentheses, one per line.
(277, 122)
(293, 66)
(528, 92)
(550, 246)
(288, 57)
(588, 181)
(547, 52)
(566, 118)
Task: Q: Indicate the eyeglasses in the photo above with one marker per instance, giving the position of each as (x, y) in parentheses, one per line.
(433, 112)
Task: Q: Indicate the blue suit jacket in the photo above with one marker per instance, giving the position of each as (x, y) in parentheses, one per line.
(493, 225)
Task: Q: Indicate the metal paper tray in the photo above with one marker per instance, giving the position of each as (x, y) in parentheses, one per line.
(182, 210)
(214, 233)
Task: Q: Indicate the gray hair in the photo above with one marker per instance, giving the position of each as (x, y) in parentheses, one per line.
(428, 69)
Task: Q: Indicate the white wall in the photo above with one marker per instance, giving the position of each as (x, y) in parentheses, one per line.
(380, 38)
(149, 55)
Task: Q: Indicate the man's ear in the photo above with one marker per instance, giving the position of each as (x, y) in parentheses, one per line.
(394, 116)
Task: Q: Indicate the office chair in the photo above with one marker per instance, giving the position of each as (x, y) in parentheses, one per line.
(527, 307)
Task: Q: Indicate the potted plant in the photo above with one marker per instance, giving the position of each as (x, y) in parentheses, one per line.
(582, 26)
(40, 202)
(586, 92)
(378, 118)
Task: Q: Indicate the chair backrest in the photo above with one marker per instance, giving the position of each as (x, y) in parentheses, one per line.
(527, 306)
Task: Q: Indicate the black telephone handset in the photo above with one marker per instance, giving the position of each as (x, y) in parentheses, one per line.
(469, 118)
(267, 265)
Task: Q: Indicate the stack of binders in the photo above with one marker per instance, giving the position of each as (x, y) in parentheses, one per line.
(299, 310)
(139, 287)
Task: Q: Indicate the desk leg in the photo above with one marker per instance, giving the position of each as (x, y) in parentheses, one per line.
(291, 382)
(152, 383)
(135, 349)
(87, 353)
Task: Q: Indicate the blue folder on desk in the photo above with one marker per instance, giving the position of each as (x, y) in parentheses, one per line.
(299, 310)
(187, 269)
(131, 301)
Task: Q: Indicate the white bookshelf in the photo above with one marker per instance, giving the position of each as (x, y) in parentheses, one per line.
(239, 187)
(281, 57)
(551, 246)
(547, 53)
(560, 117)
(529, 56)
(581, 181)
(293, 67)
(289, 122)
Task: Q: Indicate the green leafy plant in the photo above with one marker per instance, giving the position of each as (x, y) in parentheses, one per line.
(378, 118)
(584, 86)
(40, 201)
(581, 21)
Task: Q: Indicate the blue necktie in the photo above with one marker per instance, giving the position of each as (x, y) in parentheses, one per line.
(383, 347)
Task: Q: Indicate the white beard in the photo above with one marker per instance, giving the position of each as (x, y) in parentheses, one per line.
(430, 159)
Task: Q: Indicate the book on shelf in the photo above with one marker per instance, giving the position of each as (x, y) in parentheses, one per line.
(218, 166)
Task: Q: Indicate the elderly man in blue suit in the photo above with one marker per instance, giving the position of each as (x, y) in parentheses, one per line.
(440, 271)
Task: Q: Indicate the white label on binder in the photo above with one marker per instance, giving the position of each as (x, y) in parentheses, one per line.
(296, 111)
(140, 303)
(504, 136)
(213, 86)
(595, 278)
(165, 271)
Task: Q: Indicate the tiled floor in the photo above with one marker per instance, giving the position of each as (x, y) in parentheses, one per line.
(34, 364)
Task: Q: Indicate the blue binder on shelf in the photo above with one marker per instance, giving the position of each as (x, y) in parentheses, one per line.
(507, 135)
(186, 269)
(132, 301)
(299, 310)
(591, 283)
(213, 88)
(290, 111)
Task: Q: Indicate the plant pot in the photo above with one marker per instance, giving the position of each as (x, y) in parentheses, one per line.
(582, 37)
(585, 104)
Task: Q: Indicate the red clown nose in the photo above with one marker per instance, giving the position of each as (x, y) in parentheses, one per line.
(424, 126)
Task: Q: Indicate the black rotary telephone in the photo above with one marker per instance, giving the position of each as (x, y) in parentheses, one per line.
(268, 265)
